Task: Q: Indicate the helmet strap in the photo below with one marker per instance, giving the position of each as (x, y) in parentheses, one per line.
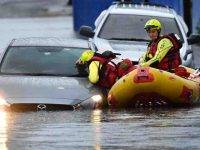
(159, 31)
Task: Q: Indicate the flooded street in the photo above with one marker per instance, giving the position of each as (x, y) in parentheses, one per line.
(35, 27)
(106, 129)
(88, 129)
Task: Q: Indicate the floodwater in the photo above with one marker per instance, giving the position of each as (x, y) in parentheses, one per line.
(101, 129)
(90, 129)
(35, 27)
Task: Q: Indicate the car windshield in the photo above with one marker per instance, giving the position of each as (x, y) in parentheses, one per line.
(37, 60)
(131, 27)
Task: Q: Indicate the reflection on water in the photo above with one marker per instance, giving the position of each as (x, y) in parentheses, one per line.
(96, 116)
(3, 130)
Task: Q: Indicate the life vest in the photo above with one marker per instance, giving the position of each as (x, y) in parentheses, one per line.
(182, 72)
(107, 72)
(172, 58)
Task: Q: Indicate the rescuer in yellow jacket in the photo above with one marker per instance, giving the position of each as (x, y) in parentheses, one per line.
(163, 51)
(101, 70)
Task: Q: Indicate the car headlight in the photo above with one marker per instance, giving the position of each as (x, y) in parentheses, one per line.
(97, 98)
(93, 102)
(3, 102)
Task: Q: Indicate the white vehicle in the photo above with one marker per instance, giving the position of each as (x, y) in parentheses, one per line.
(120, 29)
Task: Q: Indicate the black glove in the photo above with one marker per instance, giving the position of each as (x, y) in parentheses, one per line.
(108, 55)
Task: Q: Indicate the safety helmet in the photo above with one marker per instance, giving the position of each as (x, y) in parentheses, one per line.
(86, 55)
(152, 24)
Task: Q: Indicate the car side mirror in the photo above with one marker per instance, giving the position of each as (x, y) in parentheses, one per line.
(86, 31)
(193, 39)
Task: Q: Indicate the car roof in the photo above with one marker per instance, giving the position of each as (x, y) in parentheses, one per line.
(49, 41)
(141, 9)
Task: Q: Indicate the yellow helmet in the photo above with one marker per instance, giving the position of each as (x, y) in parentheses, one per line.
(152, 24)
(86, 55)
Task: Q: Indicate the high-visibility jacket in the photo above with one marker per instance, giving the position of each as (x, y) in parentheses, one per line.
(102, 72)
(163, 53)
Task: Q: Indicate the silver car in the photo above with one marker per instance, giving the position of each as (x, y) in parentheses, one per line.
(120, 28)
(41, 73)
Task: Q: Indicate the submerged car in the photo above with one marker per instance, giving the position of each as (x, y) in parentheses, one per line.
(41, 72)
(120, 28)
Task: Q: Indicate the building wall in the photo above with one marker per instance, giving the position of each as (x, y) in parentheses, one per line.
(85, 12)
(195, 15)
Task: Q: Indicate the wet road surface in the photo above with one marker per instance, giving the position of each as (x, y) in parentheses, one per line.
(101, 129)
(35, 27)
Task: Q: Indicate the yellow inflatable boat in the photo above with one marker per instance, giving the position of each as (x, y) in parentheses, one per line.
(149, 87)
